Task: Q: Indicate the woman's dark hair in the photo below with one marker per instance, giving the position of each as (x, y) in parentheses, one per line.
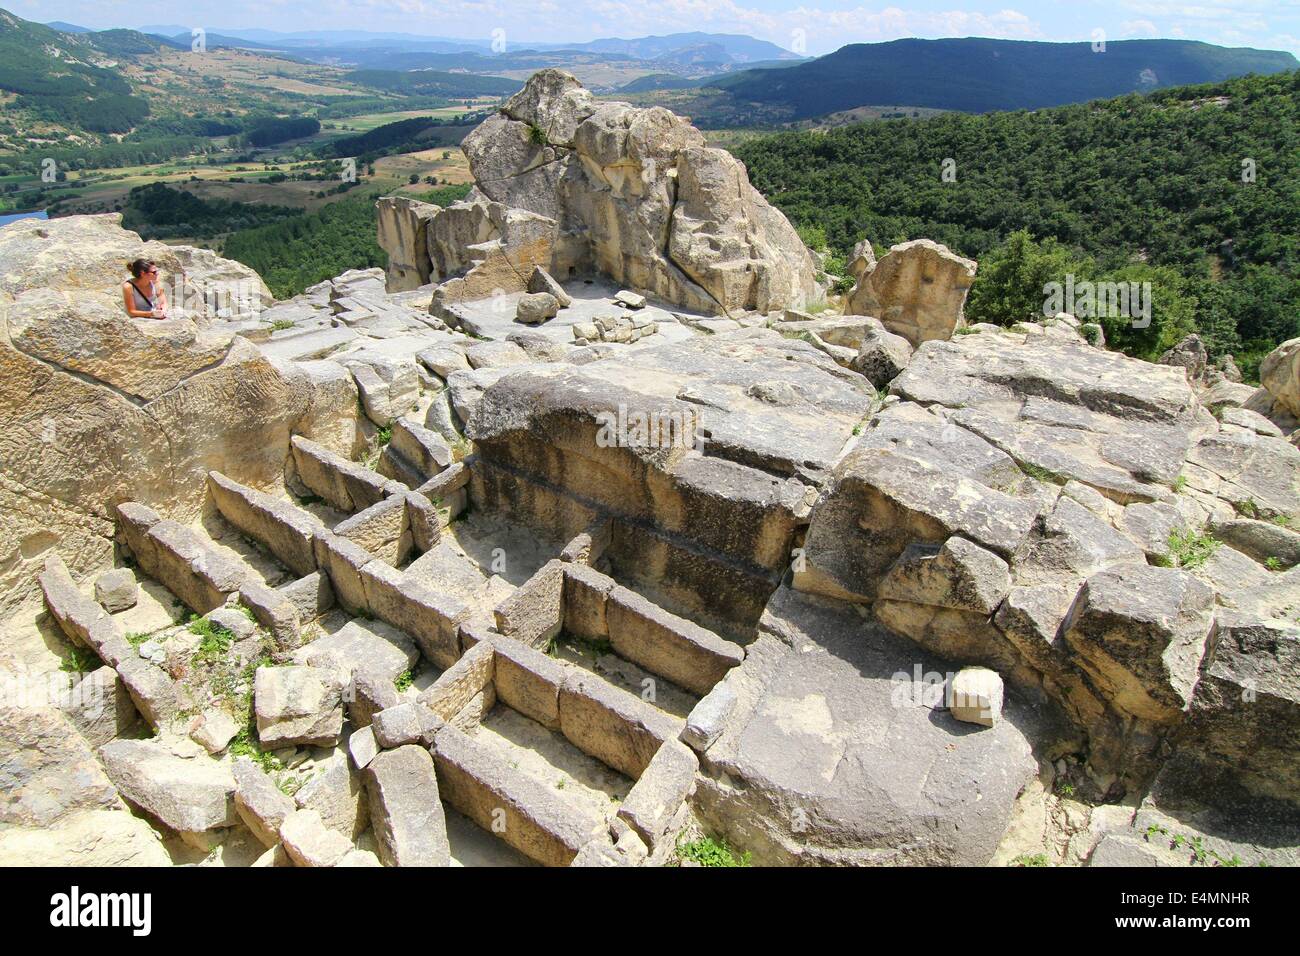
(139, 267)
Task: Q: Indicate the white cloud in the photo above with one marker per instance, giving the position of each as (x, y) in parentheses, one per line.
(1139, 28)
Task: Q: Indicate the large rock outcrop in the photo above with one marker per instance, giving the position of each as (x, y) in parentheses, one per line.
(1279, 373)
(918, 291)
(1005, 509)
(97, 408)
(403, 234)
(577, 186)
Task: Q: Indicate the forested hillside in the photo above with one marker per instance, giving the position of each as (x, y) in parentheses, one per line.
(1195, 188)
(57, 78)
(977, 74)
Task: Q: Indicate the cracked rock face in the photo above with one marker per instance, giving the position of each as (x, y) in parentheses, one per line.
(612, 188)
(918, 291)
(98, 408)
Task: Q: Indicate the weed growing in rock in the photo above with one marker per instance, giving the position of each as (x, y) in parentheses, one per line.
(1191, 549)
(710, 852)
(245, 745)
(215, 640)
(1037, 859)
(78, 660)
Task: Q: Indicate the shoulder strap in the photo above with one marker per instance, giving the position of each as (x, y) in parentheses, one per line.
(141, 294)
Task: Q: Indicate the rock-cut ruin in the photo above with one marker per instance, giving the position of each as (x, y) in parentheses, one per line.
(587, 529)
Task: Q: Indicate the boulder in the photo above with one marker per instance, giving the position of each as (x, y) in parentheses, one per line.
(881, 501)
(310, 843)
(918, 291)
(975, 696)
(93, 838)
(608, 183)
(297, 704)
(106, 429)
(116, 590)
(403, 234)
(1264, 541)
(335, 792)
(536, 307)
(881, 357)
(259, 802)
(1139, 632)
(1279, 373)
(542, 281)
(50, 771)
(1190, 355)
(958, 575)
(87, 255)
(380, 651)
(862, 261)
(1245, 713)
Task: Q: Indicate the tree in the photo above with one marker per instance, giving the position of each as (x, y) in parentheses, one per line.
(1015, 281)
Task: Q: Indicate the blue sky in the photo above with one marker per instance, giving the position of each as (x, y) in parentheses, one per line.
(819, 26)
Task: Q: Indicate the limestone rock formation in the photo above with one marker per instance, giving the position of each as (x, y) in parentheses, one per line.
(918, 290)
(1279, 373)
(839, 589)
(98, 408)
(403, 234)
(574, 186)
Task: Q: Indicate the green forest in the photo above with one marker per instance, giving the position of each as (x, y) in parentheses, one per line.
(157, 211)
(1196, 189)
(312, 247)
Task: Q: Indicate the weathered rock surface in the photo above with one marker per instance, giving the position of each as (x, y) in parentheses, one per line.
(403, 234)
(1279, 373)
(1032, 559)
(1140, 633)
(410, 828)
(297, 704)
(100, 408)
(536, 307)
(834, 751)
(607, 187)
(918, 291)
(49, 770)
(191, 793)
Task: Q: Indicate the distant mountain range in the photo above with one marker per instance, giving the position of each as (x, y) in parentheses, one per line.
(738, 49)
(361, 47)
(979, 75)
(727, 79)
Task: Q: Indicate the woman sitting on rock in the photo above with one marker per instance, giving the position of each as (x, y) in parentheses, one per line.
(143, 294)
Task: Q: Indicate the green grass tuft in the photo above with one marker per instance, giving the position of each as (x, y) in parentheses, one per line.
(1191, 549)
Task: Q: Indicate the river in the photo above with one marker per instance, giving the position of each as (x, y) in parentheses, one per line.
(9, 217)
